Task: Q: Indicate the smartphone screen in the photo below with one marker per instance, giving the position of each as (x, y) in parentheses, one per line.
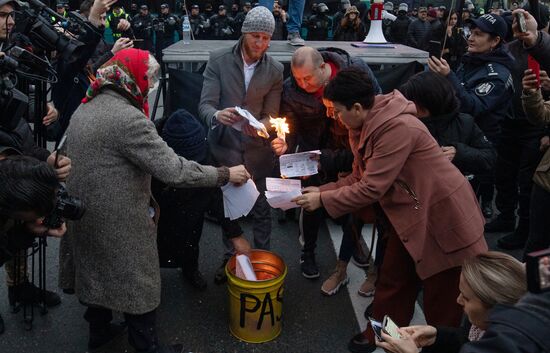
(390, 327)
(377, 328)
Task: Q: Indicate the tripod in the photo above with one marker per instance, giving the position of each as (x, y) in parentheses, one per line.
(159, 32)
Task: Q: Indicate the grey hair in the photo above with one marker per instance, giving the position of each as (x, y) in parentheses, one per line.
(153, 69)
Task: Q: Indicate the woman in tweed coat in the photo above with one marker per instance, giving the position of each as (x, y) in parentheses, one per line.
(115, 149)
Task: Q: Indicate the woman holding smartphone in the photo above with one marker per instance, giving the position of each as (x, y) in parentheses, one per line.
(485, 281)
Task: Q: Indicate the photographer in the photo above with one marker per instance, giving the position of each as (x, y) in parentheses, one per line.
(27, 194)
(118, 21)
(73, 77)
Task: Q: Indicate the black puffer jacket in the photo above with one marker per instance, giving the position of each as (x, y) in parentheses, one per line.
(474, 153)
(310, 128)
(21, 138)
(519, 328)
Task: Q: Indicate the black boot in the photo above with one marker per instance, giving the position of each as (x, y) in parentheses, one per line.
(190, 267)
(2, 327)
(28, 293)
(502, 223)
(517, 239)
(100, 336)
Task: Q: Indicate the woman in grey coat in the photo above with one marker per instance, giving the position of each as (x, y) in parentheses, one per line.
(115, 150)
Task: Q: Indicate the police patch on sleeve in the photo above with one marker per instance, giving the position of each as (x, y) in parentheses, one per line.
(485, 88)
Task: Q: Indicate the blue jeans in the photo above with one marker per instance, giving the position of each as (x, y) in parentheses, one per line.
(295, 13)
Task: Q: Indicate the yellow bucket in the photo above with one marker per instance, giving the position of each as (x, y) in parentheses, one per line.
(256, 307)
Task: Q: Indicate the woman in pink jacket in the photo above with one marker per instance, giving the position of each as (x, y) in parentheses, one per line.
(430, 216)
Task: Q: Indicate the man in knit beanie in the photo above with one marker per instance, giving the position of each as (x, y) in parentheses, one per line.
(244, 76)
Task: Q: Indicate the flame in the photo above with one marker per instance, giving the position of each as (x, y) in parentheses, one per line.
(280, 125)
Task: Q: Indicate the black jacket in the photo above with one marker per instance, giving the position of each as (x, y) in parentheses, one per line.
(222, 27)
(318, 26)
(21, 138)
(142, 26)
(474, 153)
(310, 128)
(399, 29)
(72, 83)
(519, 328)
(350, 34)
(483, 84)
(416, 33)
(448, 340)
(13, 238)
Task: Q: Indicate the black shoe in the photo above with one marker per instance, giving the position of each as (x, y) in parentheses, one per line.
(196, 279)
(512, 241)
(368, 311)
(501, 224)
(2, 327)
(360, 344)
(220, 277)
(308, 266)
(28, 293)
(100, 337)
(487, 209)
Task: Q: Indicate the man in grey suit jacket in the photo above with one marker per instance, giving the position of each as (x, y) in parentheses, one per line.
(244, 76)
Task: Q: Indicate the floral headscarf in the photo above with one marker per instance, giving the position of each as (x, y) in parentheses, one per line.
(126, 73)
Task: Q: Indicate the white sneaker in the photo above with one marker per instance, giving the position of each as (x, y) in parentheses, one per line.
(295, 39)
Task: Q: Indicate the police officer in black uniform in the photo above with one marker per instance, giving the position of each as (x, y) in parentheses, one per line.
(484, 86)
(222, 25)
(171, 25)
(199, 24)
(142, 26)
(319, 24)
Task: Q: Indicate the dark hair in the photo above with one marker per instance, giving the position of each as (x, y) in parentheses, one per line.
(351, 85)
(431, 91)
(28, 185)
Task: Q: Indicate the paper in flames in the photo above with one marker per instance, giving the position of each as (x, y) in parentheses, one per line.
(281, 127)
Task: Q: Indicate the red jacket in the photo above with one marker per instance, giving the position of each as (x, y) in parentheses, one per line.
(427, 200)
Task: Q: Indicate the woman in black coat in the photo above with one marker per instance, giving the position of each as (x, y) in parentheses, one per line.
(461, 140)
(351, 28)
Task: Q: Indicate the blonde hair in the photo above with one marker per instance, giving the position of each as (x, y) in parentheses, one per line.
(495, 278)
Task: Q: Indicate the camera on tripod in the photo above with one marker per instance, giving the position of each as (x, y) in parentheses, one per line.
(66, 207)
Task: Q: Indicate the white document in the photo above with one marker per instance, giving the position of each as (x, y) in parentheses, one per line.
(298, 164)
(277, 184)
(281, 200)
(239, 200)
(244, 268)
(281, 191)
(250, 119)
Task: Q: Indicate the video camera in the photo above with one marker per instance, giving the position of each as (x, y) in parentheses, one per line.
(35, 21)
(538, 271)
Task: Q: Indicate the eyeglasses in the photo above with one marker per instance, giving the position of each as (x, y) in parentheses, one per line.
(4, 15)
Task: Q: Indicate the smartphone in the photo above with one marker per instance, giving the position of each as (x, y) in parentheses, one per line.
(377, 328)
(390, 328)
(137, 40)
(520, 18)
(534, 66)
(60, 149)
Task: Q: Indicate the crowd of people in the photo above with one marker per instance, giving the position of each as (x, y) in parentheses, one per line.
(420, 162)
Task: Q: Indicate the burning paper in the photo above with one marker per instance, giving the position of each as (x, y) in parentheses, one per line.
(280, 126)
(250, 119)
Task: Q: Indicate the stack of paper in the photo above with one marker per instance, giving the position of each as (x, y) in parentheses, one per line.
(281, 191)
(250, 119)
(299, 164)
(244, 268)
(239, 200)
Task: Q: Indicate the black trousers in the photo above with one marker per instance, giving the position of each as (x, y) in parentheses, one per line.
(518, 156)
(539, 231)
(142, 334)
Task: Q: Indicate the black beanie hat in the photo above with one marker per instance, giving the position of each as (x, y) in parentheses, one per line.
(187, 137)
